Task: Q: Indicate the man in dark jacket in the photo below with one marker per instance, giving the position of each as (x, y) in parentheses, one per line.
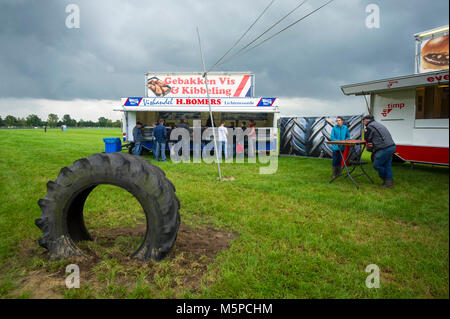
(383, 149)
(137, 137)
(160, 134)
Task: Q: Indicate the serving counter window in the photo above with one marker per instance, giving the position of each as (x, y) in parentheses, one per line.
(432, 102)
(263, 121)
(230, 118)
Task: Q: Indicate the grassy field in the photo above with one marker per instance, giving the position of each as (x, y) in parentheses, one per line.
(286, 235)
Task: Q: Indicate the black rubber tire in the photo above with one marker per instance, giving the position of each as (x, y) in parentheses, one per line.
(62, 221)
(307, 136)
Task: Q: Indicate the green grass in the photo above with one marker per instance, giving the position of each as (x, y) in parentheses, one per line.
(299, 236)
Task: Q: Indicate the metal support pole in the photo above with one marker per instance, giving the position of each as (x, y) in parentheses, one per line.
(205, 75)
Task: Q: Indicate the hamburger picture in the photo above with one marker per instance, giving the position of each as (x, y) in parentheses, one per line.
(435, 54)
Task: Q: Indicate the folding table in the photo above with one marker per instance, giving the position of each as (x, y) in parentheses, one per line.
(358, 163)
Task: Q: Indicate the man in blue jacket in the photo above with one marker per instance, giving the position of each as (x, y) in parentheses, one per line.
(160, 133)
(339, 133)
(137, 137)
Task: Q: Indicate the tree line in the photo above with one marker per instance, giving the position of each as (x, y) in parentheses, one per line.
(53, 120)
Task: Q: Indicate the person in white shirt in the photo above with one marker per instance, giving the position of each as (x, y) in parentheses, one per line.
(223, 133)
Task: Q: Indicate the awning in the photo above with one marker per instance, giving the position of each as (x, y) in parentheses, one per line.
(391, 84)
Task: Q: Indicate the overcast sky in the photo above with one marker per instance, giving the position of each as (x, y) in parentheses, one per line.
(46, 67)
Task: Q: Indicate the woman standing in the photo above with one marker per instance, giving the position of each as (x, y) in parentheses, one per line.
(339, 132)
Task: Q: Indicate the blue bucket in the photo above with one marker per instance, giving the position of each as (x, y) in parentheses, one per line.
(112, 144)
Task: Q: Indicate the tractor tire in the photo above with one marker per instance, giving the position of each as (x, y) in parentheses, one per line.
(62, 221)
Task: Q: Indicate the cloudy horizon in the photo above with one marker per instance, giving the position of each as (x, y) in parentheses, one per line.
(48, 68)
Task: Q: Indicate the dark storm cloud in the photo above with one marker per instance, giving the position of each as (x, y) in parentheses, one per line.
(119, 41)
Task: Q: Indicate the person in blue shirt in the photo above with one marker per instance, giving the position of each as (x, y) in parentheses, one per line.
(160, 134)
(339, 133)
(138, 137)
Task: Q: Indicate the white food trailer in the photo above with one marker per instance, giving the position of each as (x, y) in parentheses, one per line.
(414, 108)
(172, 96)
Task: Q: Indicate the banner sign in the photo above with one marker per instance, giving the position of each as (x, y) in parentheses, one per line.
(181, 101)
(432, 50)
(193, 85)
(434, 54)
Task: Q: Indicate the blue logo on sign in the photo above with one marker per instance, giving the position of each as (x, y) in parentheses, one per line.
(133, 101)
(266, 101)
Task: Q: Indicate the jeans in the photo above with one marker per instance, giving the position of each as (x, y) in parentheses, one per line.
(383, 161)
(160, 148)
(337, 159)
(223, 146)
(197, 149)
(251, 146)
(137, 148)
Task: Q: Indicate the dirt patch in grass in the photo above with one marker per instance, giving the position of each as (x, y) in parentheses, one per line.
(227, 178)
(109, 264)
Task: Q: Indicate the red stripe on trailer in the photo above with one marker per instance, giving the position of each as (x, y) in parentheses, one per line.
(423, 154)
(241, 85)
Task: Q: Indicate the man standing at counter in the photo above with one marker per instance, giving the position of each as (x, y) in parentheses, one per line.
(137, 137)
(160, 134)
(383, 149)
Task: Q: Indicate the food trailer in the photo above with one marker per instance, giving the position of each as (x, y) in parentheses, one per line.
(415, 108)
(172, 96)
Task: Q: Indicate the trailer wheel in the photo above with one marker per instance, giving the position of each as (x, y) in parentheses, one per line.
(62, 221)
(397, 159)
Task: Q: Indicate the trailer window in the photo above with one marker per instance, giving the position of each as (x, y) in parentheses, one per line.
(432, 102)
(230, 118)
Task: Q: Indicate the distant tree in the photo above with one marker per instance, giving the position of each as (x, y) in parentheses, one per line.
(67, 120)
(33, 120)
(102, 122)
(21, 121)
(117, 123)
(11, 120)
(52, 120)
(2, 123)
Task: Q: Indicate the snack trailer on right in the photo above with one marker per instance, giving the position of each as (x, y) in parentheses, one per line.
(415, 107)
(415, 110)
